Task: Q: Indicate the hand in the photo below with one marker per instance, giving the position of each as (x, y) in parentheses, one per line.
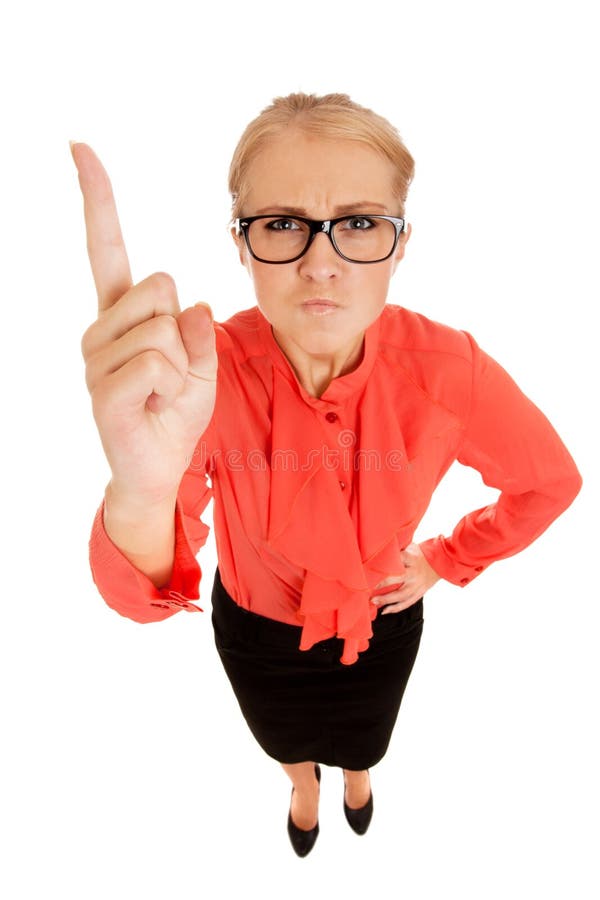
(151, 369)
(417, 579)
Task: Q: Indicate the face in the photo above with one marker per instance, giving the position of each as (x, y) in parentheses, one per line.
(321, 179)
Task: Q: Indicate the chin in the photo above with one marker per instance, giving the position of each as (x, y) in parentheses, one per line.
(324, 340)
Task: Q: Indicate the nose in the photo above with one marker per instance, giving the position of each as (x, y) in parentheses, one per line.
(321, 261)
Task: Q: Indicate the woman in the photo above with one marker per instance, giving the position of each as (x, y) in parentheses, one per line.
(325, 419)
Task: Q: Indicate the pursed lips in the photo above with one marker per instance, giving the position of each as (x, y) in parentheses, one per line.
(319, 307)
(319, 301)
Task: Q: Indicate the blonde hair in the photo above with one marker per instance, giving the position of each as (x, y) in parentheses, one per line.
(328, 116)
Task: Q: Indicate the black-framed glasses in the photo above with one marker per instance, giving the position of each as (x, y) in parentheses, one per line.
(284, 239)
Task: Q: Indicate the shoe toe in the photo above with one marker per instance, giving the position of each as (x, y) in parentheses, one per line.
(359, 819)
(303, 841)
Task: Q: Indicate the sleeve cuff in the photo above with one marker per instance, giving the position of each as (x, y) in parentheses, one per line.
(131, 593)
(438, 554)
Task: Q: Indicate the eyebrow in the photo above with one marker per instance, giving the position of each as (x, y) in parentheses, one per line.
(337, 211)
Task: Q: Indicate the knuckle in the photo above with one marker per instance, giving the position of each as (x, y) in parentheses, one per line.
(164, 332)
(164, 285)
(87, 341)
(157, 365)
(165, 324)
(90, 380)
(152, 361)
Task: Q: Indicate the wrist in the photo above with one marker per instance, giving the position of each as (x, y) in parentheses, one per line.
(131, 506)
(143, 530)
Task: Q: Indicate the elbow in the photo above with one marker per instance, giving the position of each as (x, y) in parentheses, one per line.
(575, 484)
(573, 481)
(567, 489)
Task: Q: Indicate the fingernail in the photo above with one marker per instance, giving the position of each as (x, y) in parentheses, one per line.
(71, 145)
(206, 306)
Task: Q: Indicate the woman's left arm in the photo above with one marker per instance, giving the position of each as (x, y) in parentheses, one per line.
(516, 450)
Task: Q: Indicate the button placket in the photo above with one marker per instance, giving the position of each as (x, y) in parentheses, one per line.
(332, 417)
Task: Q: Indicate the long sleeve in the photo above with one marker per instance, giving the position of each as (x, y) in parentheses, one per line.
(516, 450)
(130, 592)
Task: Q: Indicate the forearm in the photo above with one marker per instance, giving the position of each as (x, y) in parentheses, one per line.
(144, 534)
(498, 531)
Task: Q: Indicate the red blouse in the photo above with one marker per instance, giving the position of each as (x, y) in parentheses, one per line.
(315, 498)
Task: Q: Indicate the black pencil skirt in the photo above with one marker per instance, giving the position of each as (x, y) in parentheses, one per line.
(305, 704)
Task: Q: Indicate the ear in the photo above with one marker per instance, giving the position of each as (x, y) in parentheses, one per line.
(240, 244)
(399, 254)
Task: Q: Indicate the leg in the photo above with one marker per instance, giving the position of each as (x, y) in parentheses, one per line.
(358, 788)
(305, 797)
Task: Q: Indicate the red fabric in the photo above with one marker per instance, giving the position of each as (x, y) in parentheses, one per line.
(315, 498)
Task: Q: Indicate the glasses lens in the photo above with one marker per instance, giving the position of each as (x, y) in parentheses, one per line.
(277, 239)
(364, 238)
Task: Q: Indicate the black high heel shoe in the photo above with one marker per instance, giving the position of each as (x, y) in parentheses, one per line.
(359, 819)
(303, 841)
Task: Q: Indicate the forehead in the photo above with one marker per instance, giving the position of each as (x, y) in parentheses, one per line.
(314, 173)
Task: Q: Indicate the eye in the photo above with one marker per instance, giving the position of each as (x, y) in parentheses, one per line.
(359, 223)
(282, 225)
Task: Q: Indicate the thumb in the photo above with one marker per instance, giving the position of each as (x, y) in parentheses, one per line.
(198, 336)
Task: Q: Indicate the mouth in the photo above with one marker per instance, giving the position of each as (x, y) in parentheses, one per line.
(321, 302)
(319, 306)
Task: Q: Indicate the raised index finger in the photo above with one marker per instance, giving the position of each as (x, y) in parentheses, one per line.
(105, 245)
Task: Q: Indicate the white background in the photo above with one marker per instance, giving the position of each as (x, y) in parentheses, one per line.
(127, 770)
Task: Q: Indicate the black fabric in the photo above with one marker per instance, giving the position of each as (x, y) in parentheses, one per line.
(305, 704)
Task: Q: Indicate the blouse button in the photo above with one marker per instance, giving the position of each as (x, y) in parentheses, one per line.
(479, 568)
(464, 580)
(342, 484)
(331, 416)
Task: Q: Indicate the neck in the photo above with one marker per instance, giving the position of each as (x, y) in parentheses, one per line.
(315, 371)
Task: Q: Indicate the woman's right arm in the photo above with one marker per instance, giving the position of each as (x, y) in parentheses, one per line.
(151, 371)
